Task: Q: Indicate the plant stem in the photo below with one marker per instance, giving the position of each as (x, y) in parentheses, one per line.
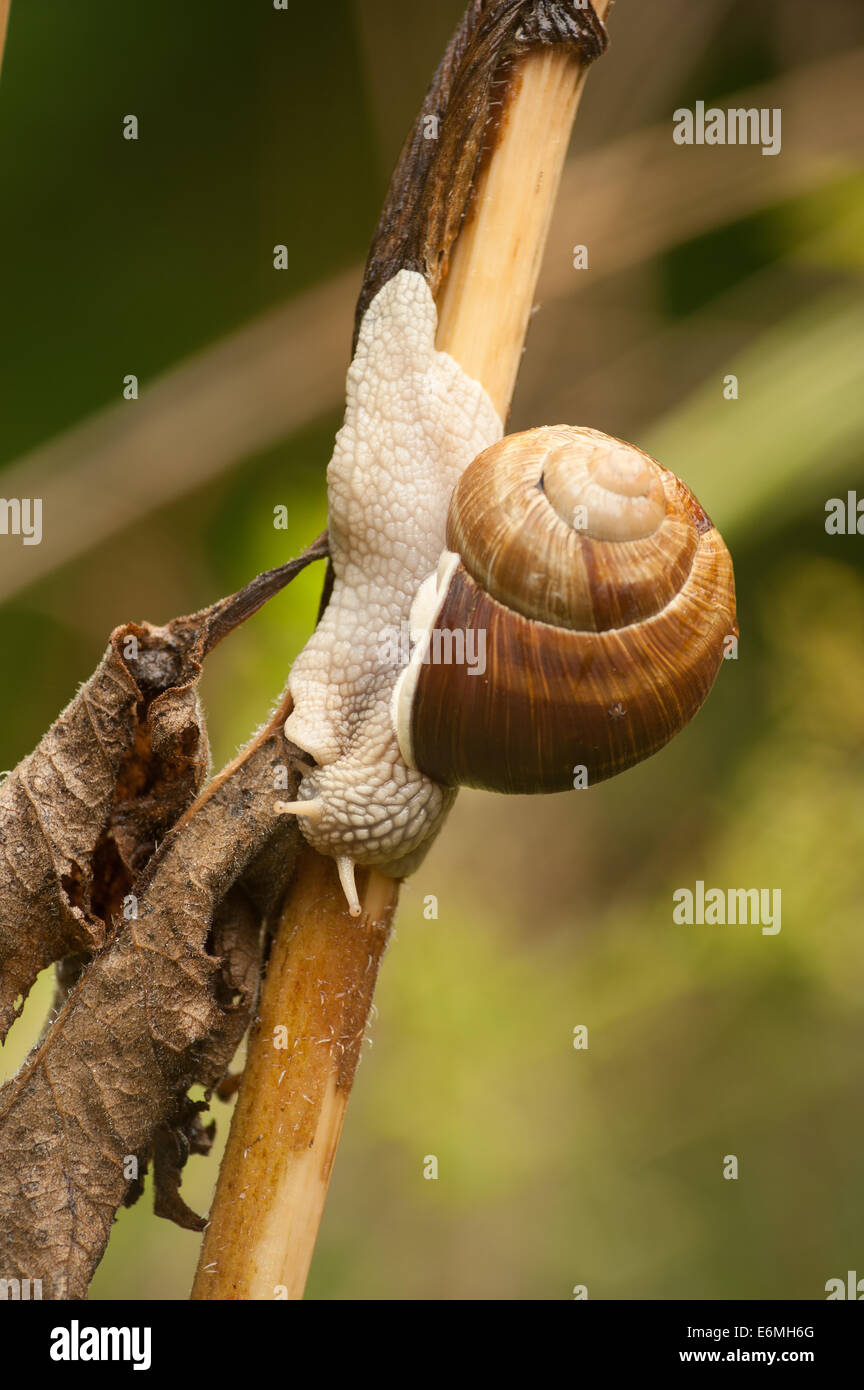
(4, 20)
(320, 980)
(488, 295)
(302, 1058)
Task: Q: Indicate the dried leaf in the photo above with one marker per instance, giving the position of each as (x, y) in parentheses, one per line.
(167, 999)
(172, 1145)
(155, 1012)
(82, 814)
(85, 810)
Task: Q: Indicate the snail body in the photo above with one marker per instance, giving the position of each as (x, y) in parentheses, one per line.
(413, 421)
(599, 591)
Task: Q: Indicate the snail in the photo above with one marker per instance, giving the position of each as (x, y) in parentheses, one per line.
(590, 593)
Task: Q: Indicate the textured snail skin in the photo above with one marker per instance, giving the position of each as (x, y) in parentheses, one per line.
(414, 420)
(599, 647)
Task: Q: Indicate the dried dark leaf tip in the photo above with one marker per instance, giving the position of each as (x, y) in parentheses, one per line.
(564, 21)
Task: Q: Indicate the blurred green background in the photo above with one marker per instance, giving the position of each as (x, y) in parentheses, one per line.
(557, 1167)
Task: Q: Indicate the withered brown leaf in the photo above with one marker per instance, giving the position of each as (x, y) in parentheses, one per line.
(83, 812)
(156, 1011)
(169, 994)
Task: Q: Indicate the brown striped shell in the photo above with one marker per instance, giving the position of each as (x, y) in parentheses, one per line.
(604, 596)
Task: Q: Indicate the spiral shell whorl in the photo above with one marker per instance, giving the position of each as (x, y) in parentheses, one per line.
(574, 528)
(604, 628)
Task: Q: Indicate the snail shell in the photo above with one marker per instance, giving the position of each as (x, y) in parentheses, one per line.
(604, 596)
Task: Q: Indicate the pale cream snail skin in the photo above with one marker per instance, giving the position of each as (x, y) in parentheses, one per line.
(603, 592)
(413, 421)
